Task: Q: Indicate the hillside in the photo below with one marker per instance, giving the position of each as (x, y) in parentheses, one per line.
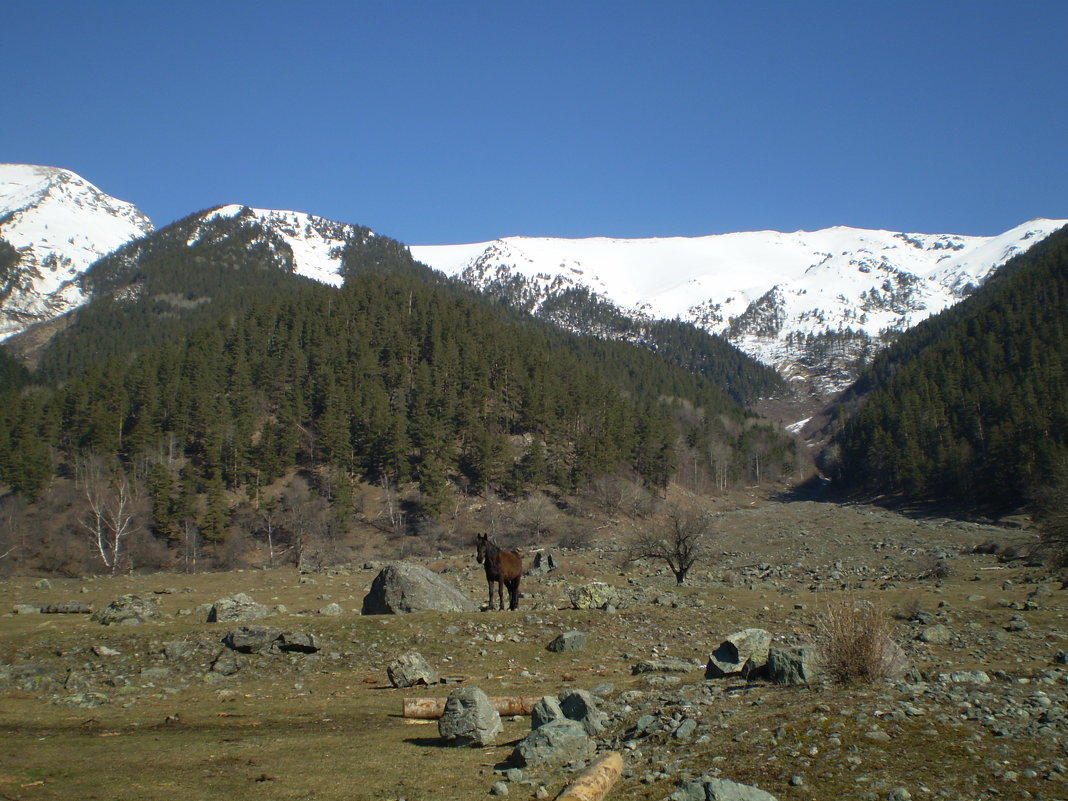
(969, 406)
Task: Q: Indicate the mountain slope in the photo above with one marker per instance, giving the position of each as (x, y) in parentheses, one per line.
(777, 296)
(58, 224)
(970, 405)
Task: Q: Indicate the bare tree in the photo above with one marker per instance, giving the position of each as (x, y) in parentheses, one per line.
(112, 512)
(682, 541)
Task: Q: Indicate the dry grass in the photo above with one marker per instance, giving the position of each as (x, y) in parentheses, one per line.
(855, 643)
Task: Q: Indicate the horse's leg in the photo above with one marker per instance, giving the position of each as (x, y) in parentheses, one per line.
(513, 594)
(500, 594)
(489, 585)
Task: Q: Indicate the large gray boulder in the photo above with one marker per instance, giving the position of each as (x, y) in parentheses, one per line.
(410, 669)
(127, 610)
(793, 665)
(403, 587)
(239, 608)
(469, 718)
(251, 639)
(581, 706)
(557, 742)
(743, 653)
(708, 789)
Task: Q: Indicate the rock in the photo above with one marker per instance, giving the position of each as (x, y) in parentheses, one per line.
(469, 718)
(685, 730)
(251, 639)
(127, 610)
(403, 587)
(545, 711)
(544, 561)
(177, 649)
(227, 663)
(936, 635)
(568, 641)
(580, 706)
(965, 677)
(26, 609)
(239, 608)
(594, 595)
(42, 584)
(298, 642)
(795, 665)
(663, 666)
(707, 789)
(411, 669)
(743, 653)
(105, 650)
(558, 742)
(331, 610)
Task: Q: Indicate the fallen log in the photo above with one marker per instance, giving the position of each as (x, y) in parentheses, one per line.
(430, 708)
(594, 783)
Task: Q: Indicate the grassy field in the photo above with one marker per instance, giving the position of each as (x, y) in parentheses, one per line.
(109, 715)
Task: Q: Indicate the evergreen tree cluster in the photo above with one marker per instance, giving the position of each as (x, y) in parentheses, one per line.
(971, 405)
(205, 367)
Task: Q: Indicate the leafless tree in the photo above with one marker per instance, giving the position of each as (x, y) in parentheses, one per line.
(682, 540)
(112, 513)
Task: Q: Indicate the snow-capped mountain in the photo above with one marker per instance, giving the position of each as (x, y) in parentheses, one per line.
(59, 224)
(808, 303)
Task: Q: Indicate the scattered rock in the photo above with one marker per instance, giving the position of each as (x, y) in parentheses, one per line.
(469, 718)
(411, 669)
(794, 665)
(557, 742)
(298, 642)
(403, 587)
(936, 635)
(663, 666)
(127, 610)
(239, 608)
(580, 706)
(709, 789)
(568, 641)
(743, 653)
(331, 610)
(594, 595)
(251, 639)
(544, 561)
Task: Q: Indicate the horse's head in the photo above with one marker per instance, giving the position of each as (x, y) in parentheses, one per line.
(481, 541)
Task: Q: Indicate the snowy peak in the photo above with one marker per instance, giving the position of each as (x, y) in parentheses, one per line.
(784, 298)
(59, 224)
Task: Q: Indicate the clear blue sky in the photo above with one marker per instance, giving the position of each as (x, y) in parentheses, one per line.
(440, 122)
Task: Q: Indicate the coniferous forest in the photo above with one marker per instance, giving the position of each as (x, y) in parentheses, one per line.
(970, 406)
(204, 374)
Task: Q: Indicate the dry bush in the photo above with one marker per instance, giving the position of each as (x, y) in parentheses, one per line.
(854, 643)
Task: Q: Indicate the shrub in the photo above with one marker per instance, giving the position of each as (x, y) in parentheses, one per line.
(854, 643)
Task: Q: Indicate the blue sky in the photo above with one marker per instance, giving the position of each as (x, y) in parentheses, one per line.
(442, 122)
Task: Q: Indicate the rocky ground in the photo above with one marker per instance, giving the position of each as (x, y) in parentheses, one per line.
(288, 692)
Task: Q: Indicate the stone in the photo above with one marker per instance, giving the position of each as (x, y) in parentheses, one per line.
(594, 595)
(544, 561)
(239, 608)
(667, 665)
(558, 742)
(965, 677)
(707, 789)
(794, 665)
(332, 609)
(401, 587)
(177, 649)
(545, 711)
(744, 653)
(298, 642)
(580, 706)
(127, 610)
(469, 718)
(568, 641)
(411, 669)
(936, 635)
(251, 639)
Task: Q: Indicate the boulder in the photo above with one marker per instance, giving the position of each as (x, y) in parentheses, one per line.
(568, 641)
(251, 639)
(708, 789)
(743, 653)
(795, 665)
(299, 642)
(558, 742)
(581, 707)
(594, 595)
(469, 718)
(403, 587)
(544, 561)
(667, 665)
(239, 608)
(411, 669)
(545, 711)
(127, 610)
(937, 634)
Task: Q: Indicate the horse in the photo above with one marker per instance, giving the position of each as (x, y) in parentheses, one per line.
(503, 567)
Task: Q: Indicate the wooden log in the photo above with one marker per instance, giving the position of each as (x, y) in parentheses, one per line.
(594, 783)
(430, 708)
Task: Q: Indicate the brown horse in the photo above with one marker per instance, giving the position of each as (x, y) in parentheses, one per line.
(503, 567)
